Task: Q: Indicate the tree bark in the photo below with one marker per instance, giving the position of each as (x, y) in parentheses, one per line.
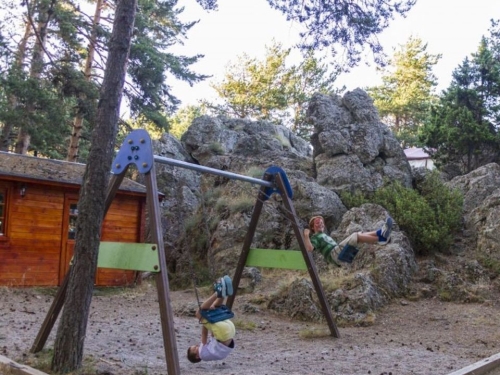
(69, 344)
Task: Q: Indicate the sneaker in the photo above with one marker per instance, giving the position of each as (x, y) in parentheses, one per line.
(219, 288)
(386, 230)
(229, 285)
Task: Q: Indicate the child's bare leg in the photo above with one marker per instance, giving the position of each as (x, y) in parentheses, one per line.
(368, 237)
(360, 237)
(213, 300)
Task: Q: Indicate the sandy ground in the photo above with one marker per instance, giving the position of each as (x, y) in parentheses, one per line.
(124, 336)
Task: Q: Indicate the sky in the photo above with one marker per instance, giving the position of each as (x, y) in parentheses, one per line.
(452, 28)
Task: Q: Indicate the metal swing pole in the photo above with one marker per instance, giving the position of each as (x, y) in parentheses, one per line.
(203, 169)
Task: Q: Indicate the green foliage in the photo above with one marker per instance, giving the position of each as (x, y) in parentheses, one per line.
(354, 199)
(216, 148)
(242, 203)
(255, 172)
(239, 203)
(183, 118)
(343, 25)
(270, 90)
(490, 263)
(414, 216)
(429, 219)
(40, 109)
(405, 96)
(197, 243)
(463, 126)
(447, 204)
(245, 325)
(43, 89)
(151, 62)
(429, 216)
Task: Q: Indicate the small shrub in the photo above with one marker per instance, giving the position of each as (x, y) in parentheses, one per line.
(222, 204)
(413, 215)
(446, 203)
(255, 172)
(445, 295)
(216, 148)
(285, 142)
(312, 333)
(354, 199)
(490, 264)
(242, 203)
(341, 280)
(244, 325)
(212, 194)
(429, 216)
(193, 222)
(430, 219)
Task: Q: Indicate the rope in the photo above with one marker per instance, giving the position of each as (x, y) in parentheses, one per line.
(208, 234)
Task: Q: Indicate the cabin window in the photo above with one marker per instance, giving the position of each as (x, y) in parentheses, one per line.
(3, 210)
(73, 214)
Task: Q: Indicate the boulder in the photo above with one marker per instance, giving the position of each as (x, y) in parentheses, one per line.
(353, 149)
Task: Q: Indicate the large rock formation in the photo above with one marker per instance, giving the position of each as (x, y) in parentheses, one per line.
(206, 215)
(353, 149)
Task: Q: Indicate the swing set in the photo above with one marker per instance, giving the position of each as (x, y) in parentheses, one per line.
(137, 149)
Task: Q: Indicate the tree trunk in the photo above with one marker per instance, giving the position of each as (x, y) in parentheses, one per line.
(69, 344)
(76, 133)
(23, 142)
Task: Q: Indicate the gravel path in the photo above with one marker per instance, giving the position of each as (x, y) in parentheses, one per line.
(124, 337)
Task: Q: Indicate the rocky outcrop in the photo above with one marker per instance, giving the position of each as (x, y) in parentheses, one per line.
(206, 216)
(481, 190)
(353, 149)
(378, 274)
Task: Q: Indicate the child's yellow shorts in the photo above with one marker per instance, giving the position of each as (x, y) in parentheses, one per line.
(222, 331)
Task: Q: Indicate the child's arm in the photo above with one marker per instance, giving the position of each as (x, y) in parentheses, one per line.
(307, 241)
(204, 335)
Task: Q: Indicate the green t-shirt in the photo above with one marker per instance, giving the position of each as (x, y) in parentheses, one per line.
(325, 244)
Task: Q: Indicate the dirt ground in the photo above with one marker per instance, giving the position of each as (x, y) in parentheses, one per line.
(124, 336)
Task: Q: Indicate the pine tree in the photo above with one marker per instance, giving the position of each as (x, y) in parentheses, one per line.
(343, 25)
(270, 90)
(406, 94)
(463, 129)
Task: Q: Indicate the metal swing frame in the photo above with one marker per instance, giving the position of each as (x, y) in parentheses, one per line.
(137, 150)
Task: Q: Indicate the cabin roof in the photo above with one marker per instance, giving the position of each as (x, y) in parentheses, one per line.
(416, 153)
(50, 170)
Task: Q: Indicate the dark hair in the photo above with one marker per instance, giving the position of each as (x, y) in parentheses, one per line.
(192, 357)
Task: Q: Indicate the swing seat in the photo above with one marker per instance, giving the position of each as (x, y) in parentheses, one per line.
(348, 253)
(218, 314)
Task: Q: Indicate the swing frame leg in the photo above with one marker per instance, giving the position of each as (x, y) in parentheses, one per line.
(291, 215)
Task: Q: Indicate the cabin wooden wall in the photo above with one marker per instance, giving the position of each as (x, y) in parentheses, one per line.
(30, 251)
(33, 252)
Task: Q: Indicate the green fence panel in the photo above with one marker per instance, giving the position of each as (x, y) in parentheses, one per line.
(270, 258)
(129, 256)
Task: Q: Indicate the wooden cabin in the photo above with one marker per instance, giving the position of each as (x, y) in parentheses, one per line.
(38, 211)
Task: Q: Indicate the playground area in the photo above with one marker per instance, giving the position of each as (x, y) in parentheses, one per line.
(124, 335)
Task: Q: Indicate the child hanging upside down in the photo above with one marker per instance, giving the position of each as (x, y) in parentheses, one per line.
(316, 238)
(220, 343)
